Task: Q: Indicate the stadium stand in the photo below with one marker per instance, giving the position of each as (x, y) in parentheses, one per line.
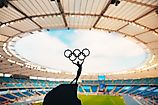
(12, 89)
(130, 101)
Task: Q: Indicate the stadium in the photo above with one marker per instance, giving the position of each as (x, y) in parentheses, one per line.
(122, 36)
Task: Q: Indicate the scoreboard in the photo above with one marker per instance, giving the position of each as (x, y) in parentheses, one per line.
(101, 77)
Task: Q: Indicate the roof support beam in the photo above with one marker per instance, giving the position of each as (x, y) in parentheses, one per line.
(23, 14)
(122, 27)
(102, 13)
(2, 41)
(62, 12)
(141, 33)
(109, 30)
(16, 29)
(156, 28)
(5, 35)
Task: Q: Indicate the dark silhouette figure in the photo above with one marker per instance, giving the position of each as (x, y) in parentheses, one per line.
(64, 94)
(78, 72)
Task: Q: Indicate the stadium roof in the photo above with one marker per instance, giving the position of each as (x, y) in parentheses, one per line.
(136, 19)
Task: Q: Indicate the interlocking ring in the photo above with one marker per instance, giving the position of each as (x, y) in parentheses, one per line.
(72, 57)
(76, 54)
(86, 52)
(81, 56)
(67, 53)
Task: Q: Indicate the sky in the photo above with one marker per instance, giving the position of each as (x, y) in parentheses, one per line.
(109, 52)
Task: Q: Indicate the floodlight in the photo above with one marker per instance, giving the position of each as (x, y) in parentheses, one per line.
(3, 3)
(116, 2)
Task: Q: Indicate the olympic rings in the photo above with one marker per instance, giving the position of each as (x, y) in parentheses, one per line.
(76, 54)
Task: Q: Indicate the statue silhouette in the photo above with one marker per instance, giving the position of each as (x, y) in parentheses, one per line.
(78, 72)
(66, 94)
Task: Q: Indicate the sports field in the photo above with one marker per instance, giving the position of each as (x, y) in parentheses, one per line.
(99, 100)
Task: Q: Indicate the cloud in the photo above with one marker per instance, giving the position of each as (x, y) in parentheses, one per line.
(107, 44)
(45, 50)
(109, 52)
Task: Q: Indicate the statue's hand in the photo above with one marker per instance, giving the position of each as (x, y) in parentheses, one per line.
(79, 65)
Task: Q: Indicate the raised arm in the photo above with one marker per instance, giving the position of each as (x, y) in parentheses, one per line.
(74, 63)
(82, 62)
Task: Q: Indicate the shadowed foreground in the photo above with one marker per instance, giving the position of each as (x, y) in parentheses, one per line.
(64, 94)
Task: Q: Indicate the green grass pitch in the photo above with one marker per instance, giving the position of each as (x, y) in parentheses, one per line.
(99, 100)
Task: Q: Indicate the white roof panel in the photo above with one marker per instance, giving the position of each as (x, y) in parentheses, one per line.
(8, 31)
(3, 38)
(148, 37)
(149, 2)
(108, 23)
(24, 25)
(127, 10)
(155, 51)
(84, 6)
(50, 21)
(8, 14)
(132, 29)
(153, 45)
(150, 20)
(81, 21)
(1, 44)
(34, 7)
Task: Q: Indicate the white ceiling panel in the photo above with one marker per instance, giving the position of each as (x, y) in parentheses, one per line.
(150, 20)
(153, 45)
(8, 31)
(8, 14)
(155, 51)
(132, 29)
(84, 6)
(1, 44)
(149, 2)
(36, 7)
(147, 37)
(127, 10)
(50, 21)
(3, 38)
(109, 23)
(24, 25)
(81, 21)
